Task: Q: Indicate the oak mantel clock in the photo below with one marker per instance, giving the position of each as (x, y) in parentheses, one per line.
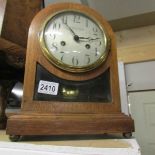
(71, 79)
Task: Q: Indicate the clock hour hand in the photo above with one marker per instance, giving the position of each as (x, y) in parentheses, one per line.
(87, 39)
(91, 39)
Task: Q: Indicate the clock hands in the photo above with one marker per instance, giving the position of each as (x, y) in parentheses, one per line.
(76, 37)
(80, 39)
(88, 39)
(70, 29)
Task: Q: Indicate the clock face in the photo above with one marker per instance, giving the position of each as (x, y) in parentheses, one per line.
(74, 42)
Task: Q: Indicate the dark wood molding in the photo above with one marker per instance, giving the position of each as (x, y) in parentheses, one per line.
(11, 48)
(17, 19)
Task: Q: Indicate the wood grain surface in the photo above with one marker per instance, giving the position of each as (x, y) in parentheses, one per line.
(53, 117)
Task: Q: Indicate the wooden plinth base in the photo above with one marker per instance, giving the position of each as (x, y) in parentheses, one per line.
(73, 124)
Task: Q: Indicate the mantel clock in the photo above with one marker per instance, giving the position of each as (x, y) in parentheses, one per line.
(71, 79)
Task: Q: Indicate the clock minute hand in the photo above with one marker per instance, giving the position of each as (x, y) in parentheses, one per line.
(76, 37)
(70, 29)
(84, 38)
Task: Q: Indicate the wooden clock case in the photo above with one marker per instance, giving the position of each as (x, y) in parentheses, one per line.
(54, 117)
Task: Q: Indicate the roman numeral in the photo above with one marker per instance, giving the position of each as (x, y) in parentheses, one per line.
(76, 19)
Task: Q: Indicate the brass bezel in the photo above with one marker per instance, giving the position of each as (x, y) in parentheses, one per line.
(67, 67)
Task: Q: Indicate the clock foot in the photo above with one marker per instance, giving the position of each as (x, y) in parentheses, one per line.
(127, 135)
(15, 138)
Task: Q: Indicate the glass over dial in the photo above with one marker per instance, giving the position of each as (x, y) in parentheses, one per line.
(74, 42)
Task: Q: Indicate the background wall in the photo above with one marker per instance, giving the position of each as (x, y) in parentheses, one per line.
(136, 45)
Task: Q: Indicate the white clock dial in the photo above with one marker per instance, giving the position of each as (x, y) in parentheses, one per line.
(74, 41)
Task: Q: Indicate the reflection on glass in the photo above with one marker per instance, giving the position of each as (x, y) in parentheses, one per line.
(94, 90)
(70, 93)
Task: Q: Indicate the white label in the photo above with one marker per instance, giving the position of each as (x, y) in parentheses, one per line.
(46, 87)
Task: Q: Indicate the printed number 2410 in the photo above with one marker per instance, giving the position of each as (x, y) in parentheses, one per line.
(47, 87)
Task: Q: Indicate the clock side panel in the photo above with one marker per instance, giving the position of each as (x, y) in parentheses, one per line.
(35, 56)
